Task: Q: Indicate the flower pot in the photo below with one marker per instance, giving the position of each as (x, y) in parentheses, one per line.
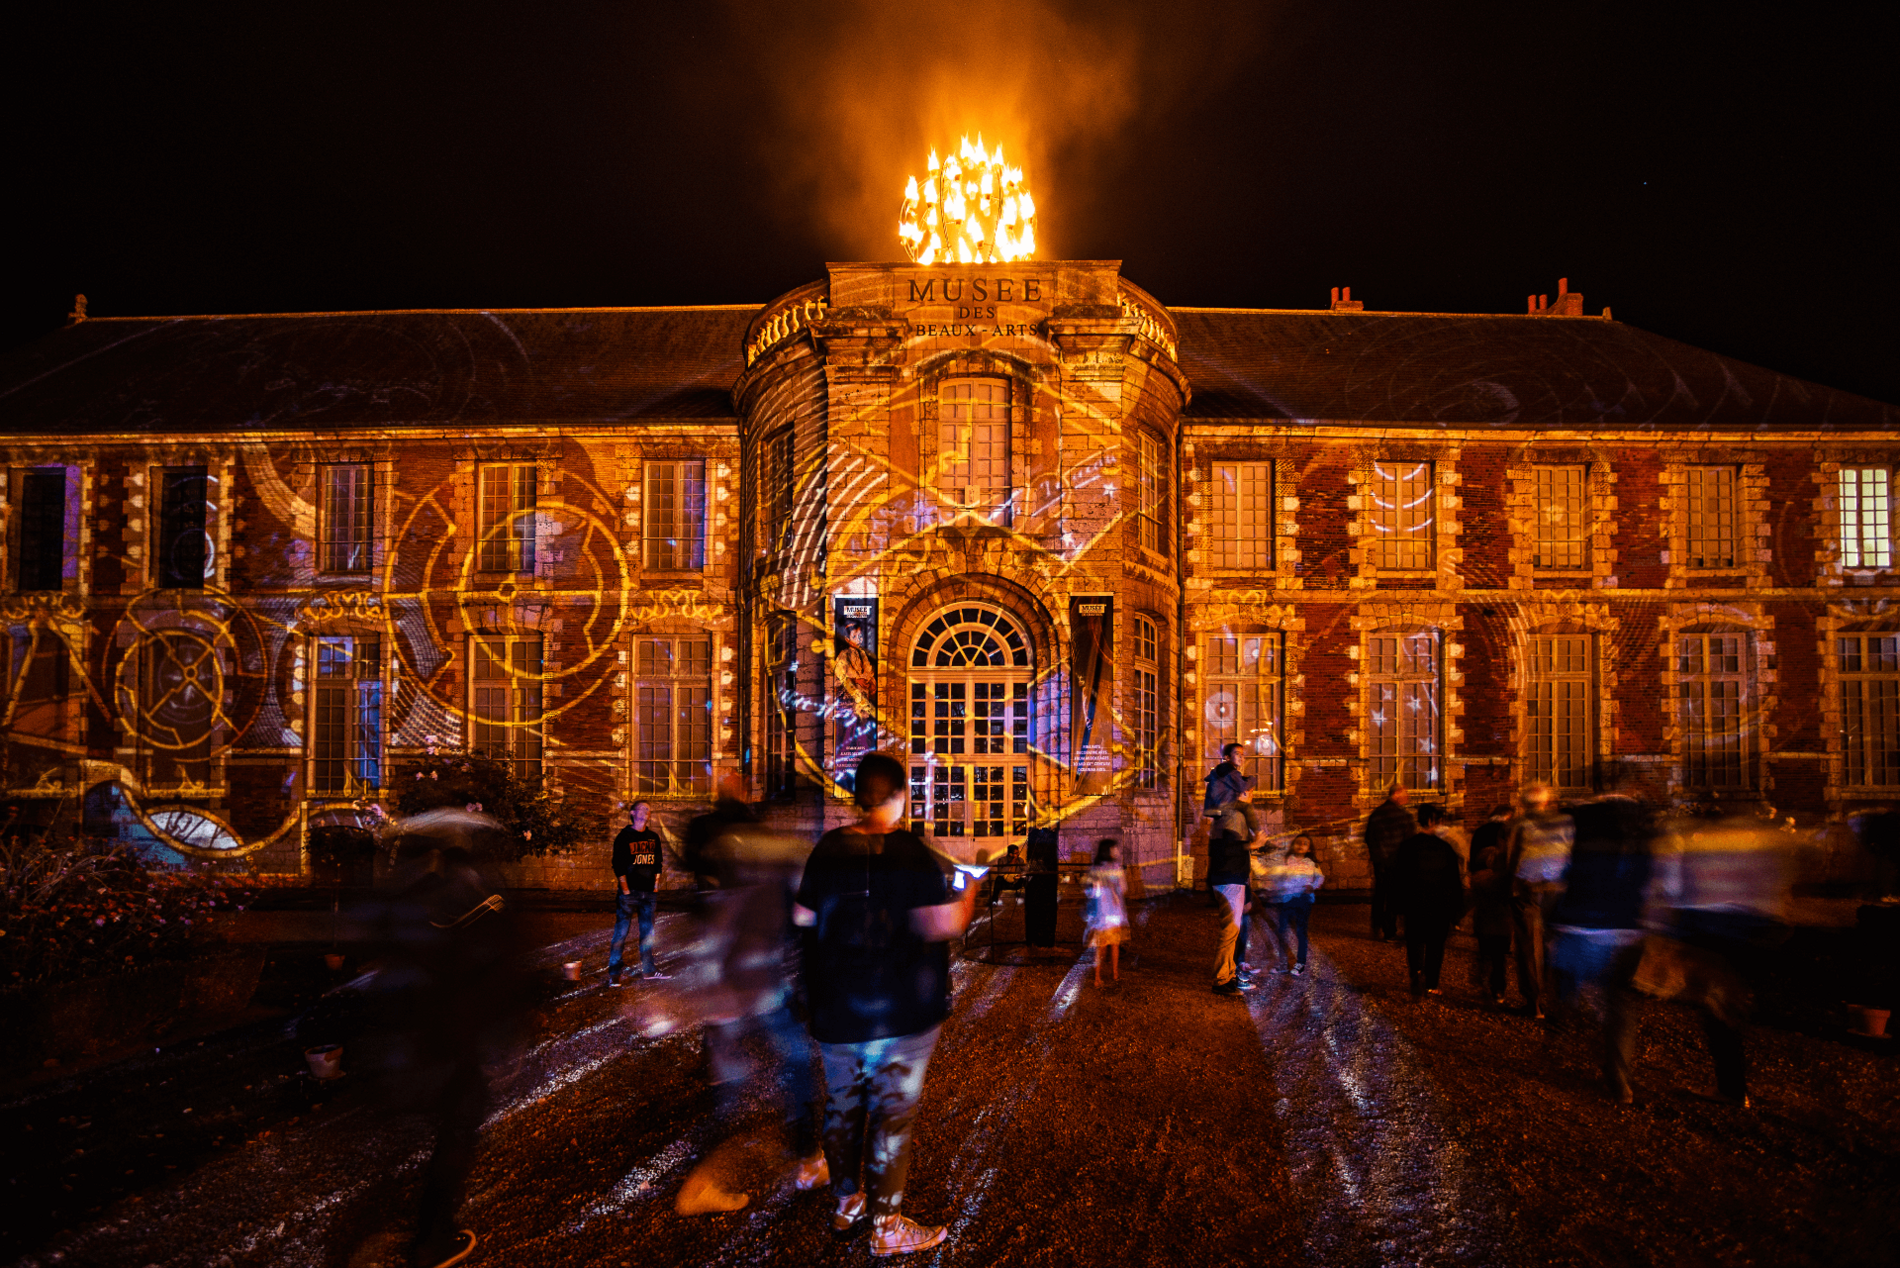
(571, 970)
(326, 1061)
(1871, 1022)
(333, 961)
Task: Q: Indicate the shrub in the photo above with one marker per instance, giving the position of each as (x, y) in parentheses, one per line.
(538, 822)
(74, 907)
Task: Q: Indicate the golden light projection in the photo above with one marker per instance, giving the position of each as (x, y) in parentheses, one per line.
(971, 208)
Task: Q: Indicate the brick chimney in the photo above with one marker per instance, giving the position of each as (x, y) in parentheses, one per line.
(1569, 303)
(1343, 302)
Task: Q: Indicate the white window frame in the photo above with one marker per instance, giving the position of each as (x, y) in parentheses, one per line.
(1151, 481)
(1243, 680)
(505, 514)
(1240, 516)
(674, 500)
(1712, 517)
(1870, 708)
(1404, 709)
(1560, 710)
(353, 551)
(506, 699)
(1403, 515)
(348, 714)
(1562, 540)
(1865, 500)
(673, 714)
(1715, 698)
(972, 727)
(1147, 702)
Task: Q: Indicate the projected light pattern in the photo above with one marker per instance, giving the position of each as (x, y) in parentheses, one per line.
(971, 208)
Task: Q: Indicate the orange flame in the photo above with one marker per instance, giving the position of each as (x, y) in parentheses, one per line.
(972, 200)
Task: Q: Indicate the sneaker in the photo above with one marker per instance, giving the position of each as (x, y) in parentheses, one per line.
(850, 1220)
(458, 1249)
(613, 979)
(1245, 967)
(703, 1195)
(1298, 970)
(812, 1172)
(657, 976)
(896, 1235)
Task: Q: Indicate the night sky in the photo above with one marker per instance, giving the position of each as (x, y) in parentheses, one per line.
(1717, 176)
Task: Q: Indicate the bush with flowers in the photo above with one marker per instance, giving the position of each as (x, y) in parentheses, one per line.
(538, 822)
(76, 907)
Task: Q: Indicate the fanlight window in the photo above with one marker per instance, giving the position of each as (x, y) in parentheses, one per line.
(970, 637)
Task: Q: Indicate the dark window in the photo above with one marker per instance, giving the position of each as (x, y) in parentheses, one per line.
(182, 546)
(43, 529)
(346, 518)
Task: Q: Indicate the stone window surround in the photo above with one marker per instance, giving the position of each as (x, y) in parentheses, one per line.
(1759, 703)
(721, 489)
(1163, 681)
(1199, 459)
(1022, 390)
(1400, 616)
(1446, 554)
(1840, 618)
(140, 485)
(1827, 516)
(1753, 553)
(1250, 614)
(81, 584)
(1521, 512)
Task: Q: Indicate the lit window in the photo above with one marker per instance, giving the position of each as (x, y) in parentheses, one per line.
(1866, 518)
(1562, 522)
(346, 738)
(1243, 683)
(506, 522)
(1712, 517)
(1240, 533)
(781, 704)
(1559, 709)
(1712, 674)
(1147, 717)
(183, 553)
(344, 534)
(973, 448)
(507, 691)
(1403, 516)
(675, 516)
(1402, 670)
(674, 716)
(40, 546)
(1870, 709)
(1151, 477)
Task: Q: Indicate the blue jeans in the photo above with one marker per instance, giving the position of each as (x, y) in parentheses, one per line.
(872, 1089)
(1294, 913)
(625, 905)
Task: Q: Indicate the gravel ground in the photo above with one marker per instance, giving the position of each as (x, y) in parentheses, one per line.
(1327, 1120)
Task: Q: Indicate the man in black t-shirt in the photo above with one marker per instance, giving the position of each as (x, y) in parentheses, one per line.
(877, 973)
(636, 867)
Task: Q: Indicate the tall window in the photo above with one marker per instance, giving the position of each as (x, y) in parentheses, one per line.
(181, 698)
(781, 704)
(1713, 522)
(346, 738)
(1147, 712)
(784, 486)
(973, 447)
(507, 689)
(1403, 676)
(674, 715)
(183, 549)
(42, 540)
(1711, 671)
(1870, 709)
(1559, 710)
(675, 516)
(1866, 518)
(1403, 515)
(1243, 678)
(507, 517)
(1241, 531)
(971, 726)
(1563, 522)
(1151, 479)
(345, 519)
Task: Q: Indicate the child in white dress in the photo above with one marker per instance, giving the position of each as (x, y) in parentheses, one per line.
(1108, 908)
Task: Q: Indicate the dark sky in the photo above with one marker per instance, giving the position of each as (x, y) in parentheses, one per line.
(1719, 177)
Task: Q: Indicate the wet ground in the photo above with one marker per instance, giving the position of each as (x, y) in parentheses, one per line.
(1326, 1120)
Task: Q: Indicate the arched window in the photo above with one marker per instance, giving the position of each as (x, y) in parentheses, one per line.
(971, 726)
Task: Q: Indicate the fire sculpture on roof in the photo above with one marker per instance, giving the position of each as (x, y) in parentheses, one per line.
(971, 208)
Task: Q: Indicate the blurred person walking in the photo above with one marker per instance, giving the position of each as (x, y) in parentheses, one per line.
(1491, 902)
(742, 978)
(1229, 867)
(1107, 919)
(880, 916)
(1428, 883)
(1539, 856)
(637, 866)
(1387, 827)
(1292, 886)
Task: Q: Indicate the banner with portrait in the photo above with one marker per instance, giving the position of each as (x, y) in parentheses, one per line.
(854, 680)
(1092, 684)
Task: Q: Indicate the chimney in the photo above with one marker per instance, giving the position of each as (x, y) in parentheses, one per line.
(1569, 302)
(1343, 302)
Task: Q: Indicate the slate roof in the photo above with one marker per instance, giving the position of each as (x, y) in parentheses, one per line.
(597, 367)
(1498, 371)
(566, 367)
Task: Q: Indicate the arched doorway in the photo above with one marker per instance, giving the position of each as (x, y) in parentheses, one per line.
(971, 727)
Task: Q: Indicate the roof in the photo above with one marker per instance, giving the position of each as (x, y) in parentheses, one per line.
(453, 368)
(1503, 371)
(603, 366)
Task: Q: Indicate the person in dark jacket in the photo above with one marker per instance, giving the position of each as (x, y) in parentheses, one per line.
(1598, 921)
(1428, 887)
(637, 866)
(1388, 825)
(1229, 868)
(1225, 782)
(1491, 903)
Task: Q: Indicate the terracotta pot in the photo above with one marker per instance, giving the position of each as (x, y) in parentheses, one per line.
(333, 961)
(1871, 1022)
(326, 1061)
(571, 970)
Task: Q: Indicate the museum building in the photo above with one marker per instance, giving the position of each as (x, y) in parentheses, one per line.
(1050, 539)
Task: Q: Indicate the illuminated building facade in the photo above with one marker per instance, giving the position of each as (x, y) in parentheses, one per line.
(1051, 539)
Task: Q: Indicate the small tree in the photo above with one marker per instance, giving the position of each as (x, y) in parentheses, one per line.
(538, 822)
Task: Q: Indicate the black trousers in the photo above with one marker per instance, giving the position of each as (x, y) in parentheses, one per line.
(1385, 907)
(1425, 934)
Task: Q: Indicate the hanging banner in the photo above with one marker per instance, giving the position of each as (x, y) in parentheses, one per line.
(854, 671)
(1092, 680)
